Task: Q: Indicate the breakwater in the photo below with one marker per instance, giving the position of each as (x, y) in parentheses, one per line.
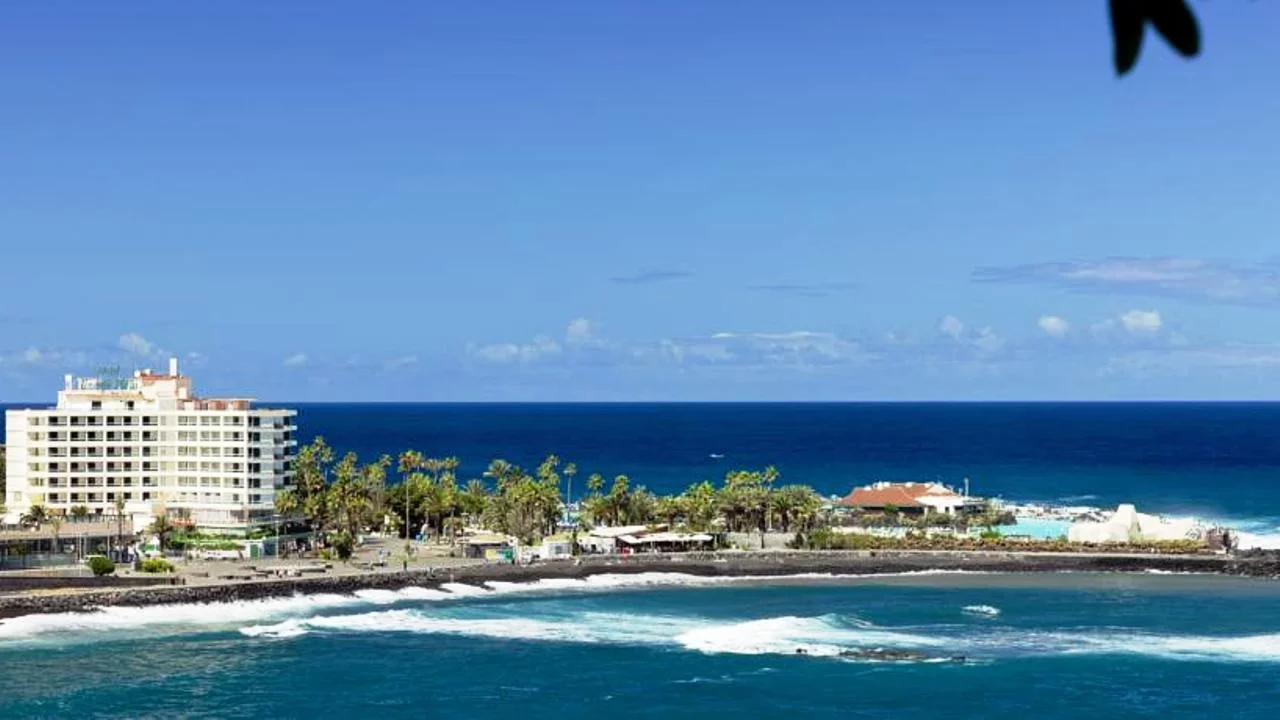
(728, 564)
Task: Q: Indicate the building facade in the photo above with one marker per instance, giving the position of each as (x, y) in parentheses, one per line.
(148, 445)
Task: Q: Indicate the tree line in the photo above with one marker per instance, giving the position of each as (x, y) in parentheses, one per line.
(340, 498)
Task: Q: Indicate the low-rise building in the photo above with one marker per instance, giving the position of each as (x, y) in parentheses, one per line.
(911, 498)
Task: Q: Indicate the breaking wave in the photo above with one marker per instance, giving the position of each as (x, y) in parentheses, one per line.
(450, 610)
(1246, 648)
(822, 636)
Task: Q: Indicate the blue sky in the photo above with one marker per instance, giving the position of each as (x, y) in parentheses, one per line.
(638, 201)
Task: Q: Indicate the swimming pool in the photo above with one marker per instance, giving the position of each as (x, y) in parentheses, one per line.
(1039, 528)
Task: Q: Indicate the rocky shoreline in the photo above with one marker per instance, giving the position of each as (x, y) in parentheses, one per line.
(728, 564)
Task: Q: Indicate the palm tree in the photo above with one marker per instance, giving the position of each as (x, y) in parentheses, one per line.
(569, 471)
(55, 524)
(411, 461)
(119, 504)
(473, 500)
(35, 516)
(162, 529)
(700, 503)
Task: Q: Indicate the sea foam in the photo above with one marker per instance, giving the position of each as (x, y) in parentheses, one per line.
(824, 636)
(982, 610)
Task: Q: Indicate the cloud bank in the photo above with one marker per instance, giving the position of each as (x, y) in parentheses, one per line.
(1212, 281)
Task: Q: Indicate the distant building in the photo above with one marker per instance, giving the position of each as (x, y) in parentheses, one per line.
(912, 498)
(148, 441)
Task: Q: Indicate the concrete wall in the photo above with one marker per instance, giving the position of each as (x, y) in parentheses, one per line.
(21, 583)
(751, 541)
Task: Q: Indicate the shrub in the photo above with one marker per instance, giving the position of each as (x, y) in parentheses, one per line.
(343, 544)
(156, 565)
(101, 565)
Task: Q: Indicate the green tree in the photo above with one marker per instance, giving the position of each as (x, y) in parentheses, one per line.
(307, 500)
(79, 511)
(35, 516)
(410, 463)
(162, 529)
(119, 506)
(570, 471)
(700, 502)
(473, 500)
(55, 525)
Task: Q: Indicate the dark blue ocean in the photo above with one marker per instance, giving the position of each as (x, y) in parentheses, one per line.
(1056, 646)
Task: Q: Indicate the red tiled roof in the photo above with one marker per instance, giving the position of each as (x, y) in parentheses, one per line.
(899, 494)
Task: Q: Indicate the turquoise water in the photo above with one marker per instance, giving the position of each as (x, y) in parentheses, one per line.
(1063, 646)
(1041, 529)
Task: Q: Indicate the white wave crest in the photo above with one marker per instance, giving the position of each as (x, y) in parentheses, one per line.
(983, 610)
(821, 636)
(127, 617)
(582, 628)
(1246, 648)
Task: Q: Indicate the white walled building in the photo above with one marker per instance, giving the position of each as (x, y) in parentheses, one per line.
(215, 463)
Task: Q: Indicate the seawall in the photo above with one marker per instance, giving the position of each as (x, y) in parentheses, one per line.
(729, 564)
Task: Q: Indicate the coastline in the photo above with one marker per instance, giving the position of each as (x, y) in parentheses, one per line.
(723, 564)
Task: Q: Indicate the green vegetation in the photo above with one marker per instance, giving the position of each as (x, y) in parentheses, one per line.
(35, 516)
(339, 499)
(163, 530)
(155, 565)
(101, 565)
(79, 511)
(828, 539)
(199, 541)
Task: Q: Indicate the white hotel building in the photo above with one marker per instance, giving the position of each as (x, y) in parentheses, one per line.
(216, 464)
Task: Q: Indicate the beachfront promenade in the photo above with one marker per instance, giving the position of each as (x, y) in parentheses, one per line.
(343, 578)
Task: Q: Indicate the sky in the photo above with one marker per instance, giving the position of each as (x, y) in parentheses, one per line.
(586, 201)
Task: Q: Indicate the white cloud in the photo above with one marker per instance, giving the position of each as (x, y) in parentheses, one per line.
(1141, 321)
(951, 325)
(982, 341)
(580, 332)
(799, 347)
(402, 362)
(1054, 326)
(1188, 278)
(1134, 323)
(541, 348)
(49, 357)
(296, 360)
(136, 344)
(987, 341)
(1225, 359)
